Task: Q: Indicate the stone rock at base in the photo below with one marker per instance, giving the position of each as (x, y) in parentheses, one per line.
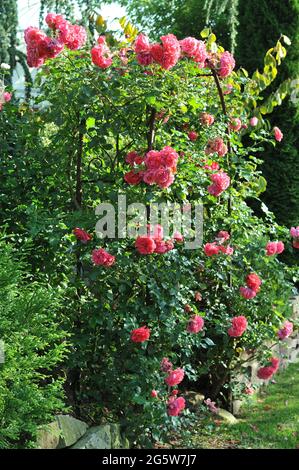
(48, 436)
(97, 437)
(71, 429)
(105, 436)
(226, 416)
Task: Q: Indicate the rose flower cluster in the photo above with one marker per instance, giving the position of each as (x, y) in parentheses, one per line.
(158, 167)
(41, 47)
(253, 283)
(220, 245)
(153, 241)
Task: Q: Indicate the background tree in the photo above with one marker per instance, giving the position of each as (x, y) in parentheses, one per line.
(264, 21)
(8, 33)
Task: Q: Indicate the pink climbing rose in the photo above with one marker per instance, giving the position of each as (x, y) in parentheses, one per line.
(145, 245)
(175, 406)
(278, 134)
(101, 257)
(139, 335)
(195, 324)
(82, 235)
(175, 377)
(220, 182)
(239, 325)
(206, 119)
(286, 330)
(101, 54)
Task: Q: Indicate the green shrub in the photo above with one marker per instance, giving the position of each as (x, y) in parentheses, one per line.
(31, 389)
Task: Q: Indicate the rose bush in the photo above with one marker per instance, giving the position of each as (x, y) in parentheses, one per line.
(161, 122)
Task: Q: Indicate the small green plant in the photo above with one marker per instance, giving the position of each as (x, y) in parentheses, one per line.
(31, 387)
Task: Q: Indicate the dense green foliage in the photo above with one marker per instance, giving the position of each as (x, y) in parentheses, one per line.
(35, 347)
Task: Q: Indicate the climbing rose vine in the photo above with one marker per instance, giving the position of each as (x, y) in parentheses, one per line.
(161, 122)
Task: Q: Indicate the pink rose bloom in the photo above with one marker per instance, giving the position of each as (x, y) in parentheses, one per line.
(161, 247)
(178, 237)
(239, 325)
(155, 231)
(227, 64)
(130, 157)
(286, 330)
(154, 393)
(175, 406)
(235, 124)
(142, 44)
(194, 49)
(271, 248)
(216, 146)
(143, 50)
(266, 372)
(81, 235)
(222, 236)
(221, 182)
(139, 335)
(166, 365)
(170, 245)
(101, 257)
(294, 231)
(167, 54)
(247, 293)
(101, 54)
(253, 281)
(227, 250)
(296, 244)
(195, 324)
(169, 157)
(175, 377)
(149, 177)
(211, 249)
(7, 96)
(254, 121)
(206, 119)
(278, 134)
(279, 247)
(164, 177)
(275, 363)
(153, 160)
(133, 178)
(192, 135)
(145, 245)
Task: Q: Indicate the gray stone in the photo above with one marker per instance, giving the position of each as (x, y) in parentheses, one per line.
(97, 437)
(227, 416)
(48, 436)
(105, 436)
(71, 429)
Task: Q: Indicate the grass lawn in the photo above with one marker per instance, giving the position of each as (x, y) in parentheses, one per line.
(269, 421)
